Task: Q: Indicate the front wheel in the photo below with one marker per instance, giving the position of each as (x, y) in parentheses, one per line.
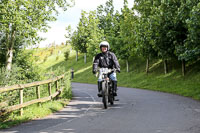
(105, 94)
(111, 96)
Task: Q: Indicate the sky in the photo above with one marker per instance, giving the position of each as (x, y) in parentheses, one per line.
(71, 17)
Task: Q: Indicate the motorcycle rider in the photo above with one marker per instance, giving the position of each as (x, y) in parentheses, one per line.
(106, 59)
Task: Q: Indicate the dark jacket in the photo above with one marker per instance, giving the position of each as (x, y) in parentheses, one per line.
(106, 60)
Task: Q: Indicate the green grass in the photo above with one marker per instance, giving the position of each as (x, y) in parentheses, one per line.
(156, 80)
(33, 112)
(55, 59)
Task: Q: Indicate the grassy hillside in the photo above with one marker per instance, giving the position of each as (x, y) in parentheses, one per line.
(173, 82)
(45, 58)
(52, 62)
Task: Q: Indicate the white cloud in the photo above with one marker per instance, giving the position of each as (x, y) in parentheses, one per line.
(71, 17)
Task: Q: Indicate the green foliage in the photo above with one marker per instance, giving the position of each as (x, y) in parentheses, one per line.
(57, 57)
(88, 36)
(33, 111)
(10, 78)
(125, 44)
(67, 92)
(24, 71)
(109, 23)
(95, 34)
(66, 54)
(21, 20)
(26, 61)
(45, 58)
(191, 49)
(172, 82)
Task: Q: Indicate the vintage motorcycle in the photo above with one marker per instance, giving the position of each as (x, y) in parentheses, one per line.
(107, 87)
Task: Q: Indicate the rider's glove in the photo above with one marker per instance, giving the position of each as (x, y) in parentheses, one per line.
(118, 70)
(94, 72)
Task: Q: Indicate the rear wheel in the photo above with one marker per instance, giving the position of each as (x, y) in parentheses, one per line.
(111, 99)
(104, 94)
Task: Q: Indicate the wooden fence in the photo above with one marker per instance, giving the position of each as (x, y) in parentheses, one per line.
(39, 100)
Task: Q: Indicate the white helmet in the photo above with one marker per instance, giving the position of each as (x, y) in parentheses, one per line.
(104, 43)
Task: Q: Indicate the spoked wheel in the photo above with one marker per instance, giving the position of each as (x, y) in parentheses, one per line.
(111, 96)
(104, 95)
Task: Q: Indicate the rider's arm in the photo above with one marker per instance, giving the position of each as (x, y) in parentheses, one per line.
(95, 64)
(116, 63)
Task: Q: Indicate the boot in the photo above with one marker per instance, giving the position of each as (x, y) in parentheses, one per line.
(115, 88)
(99, 89)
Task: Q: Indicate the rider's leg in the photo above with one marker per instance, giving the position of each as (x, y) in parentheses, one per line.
(113, 77)
(99, 89)
(99, 86)
(115, 87)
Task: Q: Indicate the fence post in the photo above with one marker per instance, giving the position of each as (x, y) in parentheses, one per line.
(57, 89)
(38, 94)
(21, 100)
(56, 85)
(49, 87)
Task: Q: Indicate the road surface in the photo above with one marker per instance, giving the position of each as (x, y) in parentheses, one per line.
(137, 111)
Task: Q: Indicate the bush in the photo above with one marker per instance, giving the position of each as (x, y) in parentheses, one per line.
(23, 71)
(57, 57)
(67, 93)
(45, 58)
(66, 54)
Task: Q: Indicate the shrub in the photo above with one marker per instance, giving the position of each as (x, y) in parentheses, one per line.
(57, 57)
(66, 54)
(23, 71)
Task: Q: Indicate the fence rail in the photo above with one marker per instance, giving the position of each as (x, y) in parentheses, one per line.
(37, 84)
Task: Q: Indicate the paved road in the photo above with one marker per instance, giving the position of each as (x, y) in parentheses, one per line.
(138, 111)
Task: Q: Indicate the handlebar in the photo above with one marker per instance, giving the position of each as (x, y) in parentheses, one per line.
(105, 71)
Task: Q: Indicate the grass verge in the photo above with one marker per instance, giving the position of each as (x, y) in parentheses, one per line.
(33, 112)
(46, 58)
(173, 82)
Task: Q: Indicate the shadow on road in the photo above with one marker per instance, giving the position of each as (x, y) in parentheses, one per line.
(78, 107)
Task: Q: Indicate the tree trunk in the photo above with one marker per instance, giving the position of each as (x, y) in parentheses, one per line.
(183, 67)
(85, 57)
(127, 66)
(9, 54)
(76, 55)
(165, 66)
(147, 66)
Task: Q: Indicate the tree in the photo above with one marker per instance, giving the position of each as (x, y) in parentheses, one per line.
(106, 17)
(82, 34)
(88, 35)
(95, 35)
(69, 34)
(144, 32)
(189, 48)
(74, 43)
(22, 19)
(125, 41)
(161, 16)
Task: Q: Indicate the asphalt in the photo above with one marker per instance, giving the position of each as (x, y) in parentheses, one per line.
(137, 111)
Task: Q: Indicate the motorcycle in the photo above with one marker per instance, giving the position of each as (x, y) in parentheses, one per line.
(107, 87)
